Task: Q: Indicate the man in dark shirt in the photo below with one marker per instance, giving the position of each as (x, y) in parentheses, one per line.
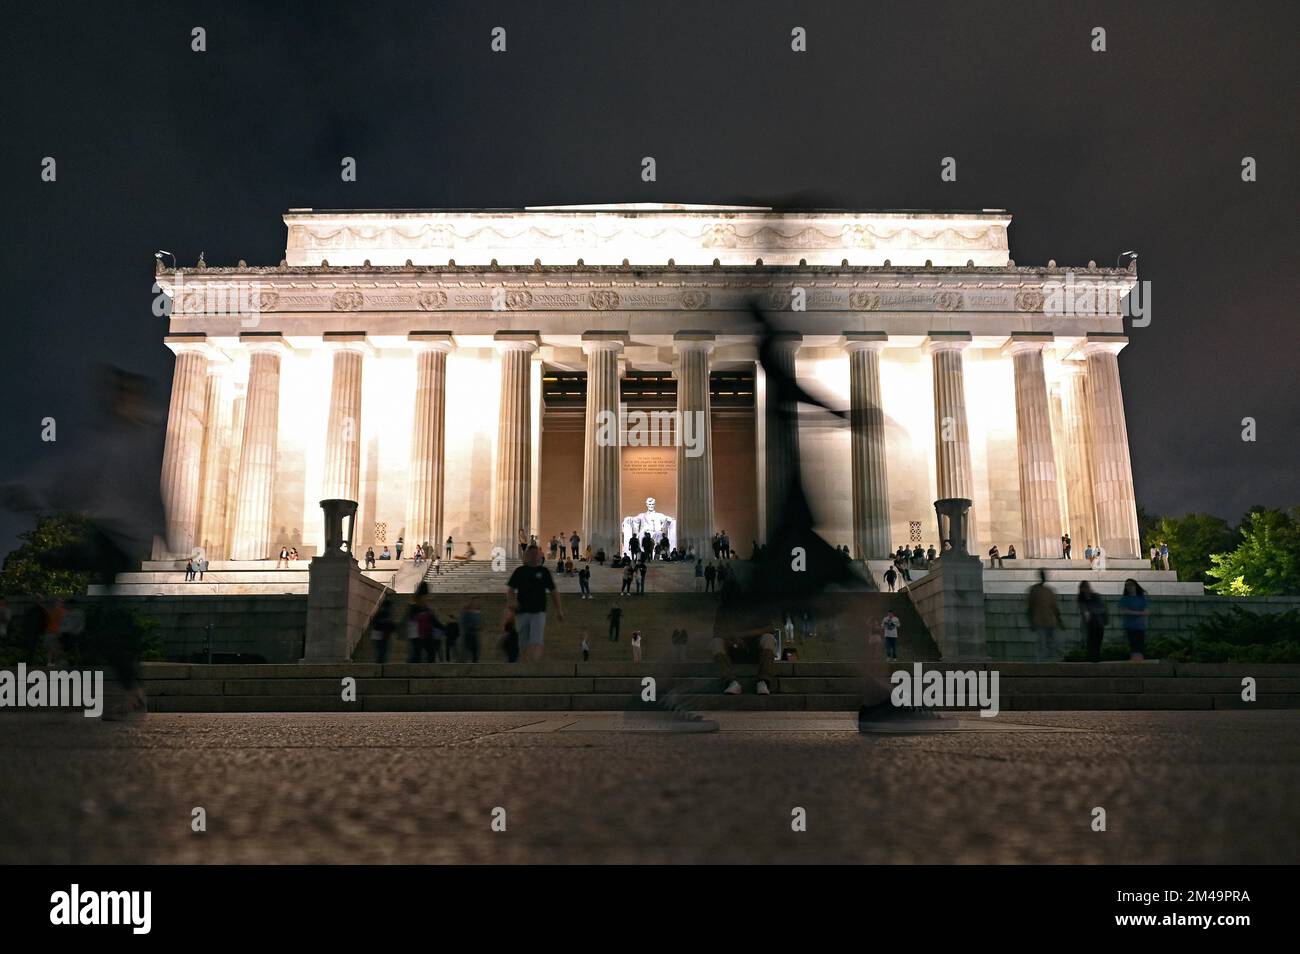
(526, 595)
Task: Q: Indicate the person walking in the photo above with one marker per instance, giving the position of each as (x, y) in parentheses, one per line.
(419, 626)
(710, 575)
(1044, 617)
(699, 576)
(640, 578)
(585, 648)
(447, 546)
(471, 621)
(397, 547)
(1133, 614)
(526, 594)
(584, 581)
(891, 577)
(615, 618)
(627, 580)
(381, 630)
(679, 645)
(636, 645)
(510, 637)
(1092, 620)
(890, 625)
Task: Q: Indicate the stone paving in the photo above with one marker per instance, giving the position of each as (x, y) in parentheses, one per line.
(1178, 787)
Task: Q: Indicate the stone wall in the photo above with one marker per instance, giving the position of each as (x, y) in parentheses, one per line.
(1009, 637)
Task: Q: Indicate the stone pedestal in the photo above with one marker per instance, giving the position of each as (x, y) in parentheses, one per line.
(695, 518)
(870, 486)
(340, 600)
(950, 598)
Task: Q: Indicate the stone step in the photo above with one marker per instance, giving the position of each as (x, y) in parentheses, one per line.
(1105, 587)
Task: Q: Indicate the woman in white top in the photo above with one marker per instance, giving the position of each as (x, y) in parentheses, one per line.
(636, 646)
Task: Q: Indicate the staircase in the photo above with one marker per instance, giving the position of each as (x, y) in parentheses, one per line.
(479, 576)
(618, 686)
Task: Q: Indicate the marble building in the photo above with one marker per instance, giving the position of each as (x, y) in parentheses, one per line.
(446, 369)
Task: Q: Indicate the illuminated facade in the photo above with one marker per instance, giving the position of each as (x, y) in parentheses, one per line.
(446, 370)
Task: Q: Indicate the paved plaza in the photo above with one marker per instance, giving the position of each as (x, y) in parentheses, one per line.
(1177, 787)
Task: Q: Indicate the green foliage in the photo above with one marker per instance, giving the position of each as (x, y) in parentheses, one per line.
(26, 574)
(1192, 539)
(1267, 560)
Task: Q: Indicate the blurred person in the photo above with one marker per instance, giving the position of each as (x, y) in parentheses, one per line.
(526, 595)
(100, 480)
(1044, 617)
(1092, 619)
(471, 620)
(1133, 614)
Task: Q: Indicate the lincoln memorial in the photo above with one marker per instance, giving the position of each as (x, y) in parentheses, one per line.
(448, 371)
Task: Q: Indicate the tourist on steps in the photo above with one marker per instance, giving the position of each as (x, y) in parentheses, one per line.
(471, 620)
(890, 626)
(724, 650)
(1044, 617)
(526, 595)
(1092, 619)
(585, 648)
(615, 618)
(636, 645)
(584, 581)
(1133, 615)
(381, 630)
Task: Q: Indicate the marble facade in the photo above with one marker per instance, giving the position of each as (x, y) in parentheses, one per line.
(399, 357)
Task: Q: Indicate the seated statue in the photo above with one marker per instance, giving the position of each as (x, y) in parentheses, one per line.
(651, 521)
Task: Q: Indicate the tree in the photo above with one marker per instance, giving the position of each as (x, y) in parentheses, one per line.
(26, 571)
(1267, 560)
(1192, 539)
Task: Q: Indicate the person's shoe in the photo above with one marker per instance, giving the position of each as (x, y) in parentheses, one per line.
(762, 689)
(733, 689)
(887, 719)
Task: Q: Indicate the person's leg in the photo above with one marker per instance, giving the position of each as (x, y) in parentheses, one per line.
(766, 663)
(730, 685)
(1094, 643)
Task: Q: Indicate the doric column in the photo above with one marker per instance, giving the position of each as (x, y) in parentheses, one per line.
(251, 539)
(1112, 469)
(343, 429)
(953, 473)
(781, 434)
(1075, 449)
(695, 518)
(183, 449)
(1040, 502)
(216, 463)
(426, 479)
(602, 476)
(512, 499)
(870, 487)
(951, 439)
(1058, 448)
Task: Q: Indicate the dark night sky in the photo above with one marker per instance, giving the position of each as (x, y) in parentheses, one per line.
(1139, 147)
